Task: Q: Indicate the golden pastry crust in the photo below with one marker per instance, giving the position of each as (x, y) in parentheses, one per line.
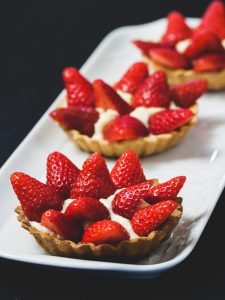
(125, 250)
(216, 80)
(142, 146)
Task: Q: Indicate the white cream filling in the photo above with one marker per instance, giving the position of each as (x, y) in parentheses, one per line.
(125, 96)
(104, 118)
(107, 202)
(223, 43)
(182, 45)
(143, 113)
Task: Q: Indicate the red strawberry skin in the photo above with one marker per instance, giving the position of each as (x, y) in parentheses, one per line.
(127, 201)
(169, 120)
(127, 170)
(105, 232)
(61, 172)
(204, 42)
(186, 94)
(124, 128)
(107, 98)
(82, 209)
(133, 78)
(79, 90)
(60, 224)
(177, 30)
(169, 58)
(146, 46)
(167, 190)
(154, 92)
(80, 118)
(214, 19)
(93, 180)
(209, 63)
(35, 197)
(149, 218)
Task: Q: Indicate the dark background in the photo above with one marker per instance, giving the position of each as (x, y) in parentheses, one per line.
(37, 40)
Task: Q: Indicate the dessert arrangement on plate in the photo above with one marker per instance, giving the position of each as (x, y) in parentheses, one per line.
(140, 112)
(96, 213)
(186, 53)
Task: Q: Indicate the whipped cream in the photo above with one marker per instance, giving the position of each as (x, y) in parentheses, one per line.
(143, 113)
(125, 96)
(223, 43)
(182, 45)
(114, 217)
(104, 118)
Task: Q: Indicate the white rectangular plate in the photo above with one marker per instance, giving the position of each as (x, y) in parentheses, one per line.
(201, 157)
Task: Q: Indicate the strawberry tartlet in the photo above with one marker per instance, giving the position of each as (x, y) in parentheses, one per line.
(96, 213)
(187, 54)
(140, 112)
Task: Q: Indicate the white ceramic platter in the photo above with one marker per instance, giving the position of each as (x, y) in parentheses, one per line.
(201, 157)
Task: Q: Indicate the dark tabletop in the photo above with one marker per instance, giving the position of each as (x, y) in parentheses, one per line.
(38, 39)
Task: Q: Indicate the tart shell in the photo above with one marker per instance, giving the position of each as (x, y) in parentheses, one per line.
(216, 80)
(142, 146)
(125, 250)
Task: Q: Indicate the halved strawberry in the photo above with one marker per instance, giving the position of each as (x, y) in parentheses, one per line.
(79, 90)
(61, 172)
(213, 19)
(35, 197)
(186, 94)
(60, 224)
(204, 42)
(133, 78)
(209, 63)
(105, 232)
(93, 180)
(127, 201)
(82, 209)
(168, 120)
(169, 58)
(166, 190)
(127, 170)
(124, 128)
(80, 118)
(149, 218)
(153, 92)
(145, 46)
(177, 29)
(107, 98)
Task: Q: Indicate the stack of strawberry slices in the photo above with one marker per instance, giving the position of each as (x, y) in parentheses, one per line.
(111, 120)
(93, 212)
(192, 53)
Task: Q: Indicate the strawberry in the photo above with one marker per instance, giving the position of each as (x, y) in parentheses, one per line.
(127, 170)
(204, 42)
(35, 197)
(149, 218)
(123, 128)
(186, 94)
(133, 78)
(177, 29)
(93, 180)
(209, 63)
(146, 46)
(168, 120)
(107, 98)
(153, 92)
(166, 190)
(79, 90)
(169, 58)
(61, 172)
(127, 201)
(213, 19)
(80, 118)
(105, 232)
(62, 225)
(82, 209)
